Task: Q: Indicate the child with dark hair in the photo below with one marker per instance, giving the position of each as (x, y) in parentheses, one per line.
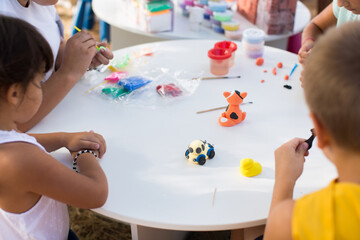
(71, 59)
(35, 187)
(331, 87)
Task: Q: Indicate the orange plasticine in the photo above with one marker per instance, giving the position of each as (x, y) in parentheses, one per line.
(274, 71)
(265, 71)
(280, 65)
(286, 77)
(259, 61)
(262, 81)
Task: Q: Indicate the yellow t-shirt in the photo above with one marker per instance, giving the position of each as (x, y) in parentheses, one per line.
(330, 213)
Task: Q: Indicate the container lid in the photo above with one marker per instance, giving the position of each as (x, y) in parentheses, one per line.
(253, 35)
(219, 53)
(226, 45)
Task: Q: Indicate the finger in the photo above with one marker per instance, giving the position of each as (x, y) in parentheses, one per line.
(101, 58)
(94, 63)
(102, 147)
(106, 53)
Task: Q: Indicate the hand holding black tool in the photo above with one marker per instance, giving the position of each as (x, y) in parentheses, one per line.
(311, 139)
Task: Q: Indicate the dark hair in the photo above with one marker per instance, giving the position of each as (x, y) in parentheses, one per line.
(24, 52)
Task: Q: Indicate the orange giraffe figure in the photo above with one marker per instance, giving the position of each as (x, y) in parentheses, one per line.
(233, 115)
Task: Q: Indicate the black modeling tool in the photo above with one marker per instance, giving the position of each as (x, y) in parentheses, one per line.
(311, 139)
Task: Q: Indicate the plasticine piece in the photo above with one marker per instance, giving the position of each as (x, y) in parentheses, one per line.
(279, 65)
(120, 63)
(116, 76)
(259, 61)
(249, 167)
(102, 47)
(115, 92)
(199, 151)
(287, 86)
(274, 71)
(134, 82)
(265, 71)
(233, 115)
(262, 81)
(168, 90)
(286, 77)
(311, 139)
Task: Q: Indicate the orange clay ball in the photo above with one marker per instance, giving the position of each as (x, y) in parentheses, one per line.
(259, 61)
(274, 71)
(280, 65)
(262, 81)
(265, 71)
(286, 77)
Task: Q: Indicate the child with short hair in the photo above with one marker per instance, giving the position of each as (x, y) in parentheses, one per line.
(332, 87)
(35, 187)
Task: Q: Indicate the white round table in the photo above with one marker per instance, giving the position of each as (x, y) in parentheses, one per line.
(126, 32)
(151, 184)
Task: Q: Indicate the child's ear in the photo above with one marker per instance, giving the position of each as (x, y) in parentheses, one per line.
(323, 137)
(14, 94)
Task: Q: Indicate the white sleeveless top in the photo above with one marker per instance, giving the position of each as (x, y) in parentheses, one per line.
(44, 18)
(48, 219)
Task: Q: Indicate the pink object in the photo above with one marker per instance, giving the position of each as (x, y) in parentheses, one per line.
(219, 61)
(229, 45)
(167, 90)
(116, 76)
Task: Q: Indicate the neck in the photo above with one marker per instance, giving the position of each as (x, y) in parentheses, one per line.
(24, 3)
(6, 121)
(348, 165)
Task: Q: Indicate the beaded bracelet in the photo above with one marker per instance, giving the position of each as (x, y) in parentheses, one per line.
(74, 163)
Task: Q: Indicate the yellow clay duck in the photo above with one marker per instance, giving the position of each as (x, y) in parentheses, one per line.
(249, 167)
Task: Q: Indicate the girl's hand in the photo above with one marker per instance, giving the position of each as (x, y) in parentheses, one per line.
(75, 142)
(102, 57)
(79, 51)
(289, 160)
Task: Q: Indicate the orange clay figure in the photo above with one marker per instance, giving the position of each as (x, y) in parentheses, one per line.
(233, 115)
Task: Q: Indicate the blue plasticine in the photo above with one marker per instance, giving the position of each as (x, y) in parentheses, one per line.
(134, 82)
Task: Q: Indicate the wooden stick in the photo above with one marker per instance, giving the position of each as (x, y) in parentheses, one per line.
(219, 108)
(96, 86)
(213, 200)
(210, 78)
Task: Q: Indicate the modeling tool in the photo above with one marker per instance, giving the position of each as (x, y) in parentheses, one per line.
(219, 108)
(293, 69)
(311, 139)
(211, 78)
(79, 30)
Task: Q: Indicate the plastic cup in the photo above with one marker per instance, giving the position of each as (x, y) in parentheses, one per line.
(228, 45)
(219, 61)
(253, 42)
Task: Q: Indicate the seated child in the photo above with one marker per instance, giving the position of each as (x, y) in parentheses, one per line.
(332, 87)
(71, 58)
(35, 187)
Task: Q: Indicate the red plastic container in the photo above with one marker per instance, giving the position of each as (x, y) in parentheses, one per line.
(219, 61)
(229, 45)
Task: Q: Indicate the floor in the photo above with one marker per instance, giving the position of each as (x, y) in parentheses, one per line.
(89, 225)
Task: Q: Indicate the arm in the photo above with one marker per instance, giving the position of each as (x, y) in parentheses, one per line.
(78, 53)
(41, 174)
(72, 141)
(289, 163)
(314, 29)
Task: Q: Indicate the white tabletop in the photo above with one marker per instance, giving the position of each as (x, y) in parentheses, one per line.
(114, 13)
(150, 181)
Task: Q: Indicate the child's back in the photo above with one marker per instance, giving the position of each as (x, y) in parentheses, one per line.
(332, 91)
